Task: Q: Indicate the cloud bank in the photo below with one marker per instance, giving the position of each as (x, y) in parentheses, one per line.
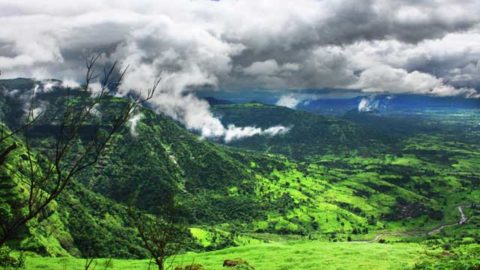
(133, 123)
(368, 104)
(236, 133)
(289, 101)
(421, 47)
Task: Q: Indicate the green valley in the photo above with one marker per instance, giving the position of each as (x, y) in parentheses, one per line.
(334, 192)
(239, 135)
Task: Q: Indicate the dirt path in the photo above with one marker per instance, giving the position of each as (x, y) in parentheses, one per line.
(463, 218)
(461, 221)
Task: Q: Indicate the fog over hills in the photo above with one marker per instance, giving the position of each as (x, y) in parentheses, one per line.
(426, 47)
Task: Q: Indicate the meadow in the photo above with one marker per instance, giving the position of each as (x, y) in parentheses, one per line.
(303, 255)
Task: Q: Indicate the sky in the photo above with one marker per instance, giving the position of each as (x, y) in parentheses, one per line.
(376, 46)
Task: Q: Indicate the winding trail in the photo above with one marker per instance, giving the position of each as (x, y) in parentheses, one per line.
(463, 219)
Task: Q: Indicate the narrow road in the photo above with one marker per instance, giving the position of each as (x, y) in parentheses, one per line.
(461, 221)
(463, 218)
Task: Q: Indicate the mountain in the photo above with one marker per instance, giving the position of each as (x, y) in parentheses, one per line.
(328, 178)
(309, 134)
(340, 101)
(395, 103)
(215, 101)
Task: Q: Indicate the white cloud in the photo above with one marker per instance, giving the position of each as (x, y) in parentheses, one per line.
(133, 122)
(68, 83)
(289, 101)
(395, 80)
(95, 111)
(36, 112)
(236, 133)
(368, 104)
(282, 44)
(424, 47)
(268, 67)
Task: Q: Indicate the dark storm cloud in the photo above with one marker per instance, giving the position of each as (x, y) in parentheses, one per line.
(425, 47)
(408, 21)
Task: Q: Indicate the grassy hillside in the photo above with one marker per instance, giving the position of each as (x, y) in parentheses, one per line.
(13, 202)
(77, 223)
(299, 255)
(328, 180)
(305, 255)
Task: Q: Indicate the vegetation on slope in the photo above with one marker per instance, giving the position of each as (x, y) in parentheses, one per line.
(391, 187)
(309, 134)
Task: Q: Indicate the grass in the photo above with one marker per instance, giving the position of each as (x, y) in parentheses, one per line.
(302, 255)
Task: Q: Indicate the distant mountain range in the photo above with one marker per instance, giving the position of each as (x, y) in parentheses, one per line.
(381, 103)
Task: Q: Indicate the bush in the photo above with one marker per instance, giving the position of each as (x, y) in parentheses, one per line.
(7, 261)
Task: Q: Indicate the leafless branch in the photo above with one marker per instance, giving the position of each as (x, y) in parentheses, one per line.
(163, 236)
(48, 178)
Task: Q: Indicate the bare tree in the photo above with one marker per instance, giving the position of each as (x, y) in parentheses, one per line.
(67, 153)
(164, 235)
(90, 264)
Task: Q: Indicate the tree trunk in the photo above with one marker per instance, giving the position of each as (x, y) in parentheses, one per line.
(159, 262)
(3, 239)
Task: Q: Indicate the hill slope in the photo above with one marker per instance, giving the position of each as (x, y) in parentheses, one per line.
(232, 196)
(78, 222)
(309, 134)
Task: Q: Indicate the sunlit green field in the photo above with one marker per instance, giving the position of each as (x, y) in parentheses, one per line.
(295, 255)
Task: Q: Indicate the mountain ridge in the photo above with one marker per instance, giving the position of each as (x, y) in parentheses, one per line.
(233, 194)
